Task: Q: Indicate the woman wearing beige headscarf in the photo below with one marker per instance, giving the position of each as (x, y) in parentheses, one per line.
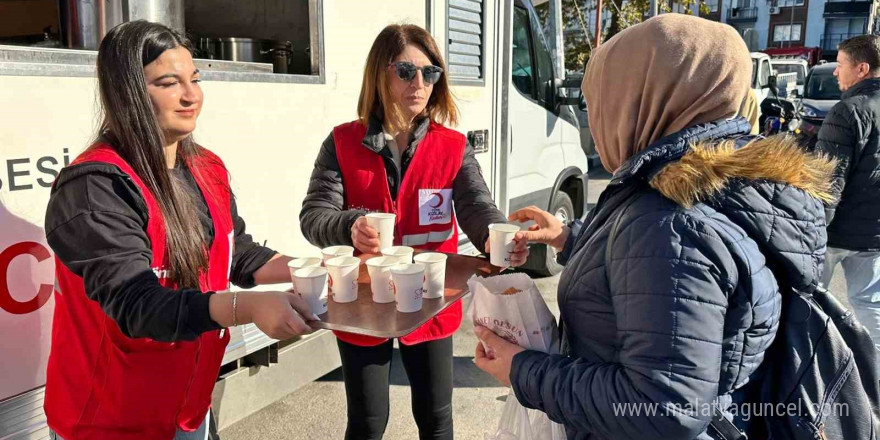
(667, 298)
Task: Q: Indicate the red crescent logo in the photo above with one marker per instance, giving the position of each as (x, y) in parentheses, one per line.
(439, 200)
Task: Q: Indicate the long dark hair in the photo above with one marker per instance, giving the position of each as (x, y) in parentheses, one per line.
(131, 128)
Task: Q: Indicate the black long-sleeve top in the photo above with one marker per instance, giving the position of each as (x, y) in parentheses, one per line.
(96, 224)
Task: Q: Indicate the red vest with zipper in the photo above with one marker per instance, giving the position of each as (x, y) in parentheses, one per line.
(426, 186)
(103, 385)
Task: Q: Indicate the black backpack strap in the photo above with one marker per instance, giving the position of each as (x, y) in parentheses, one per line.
(723, 429)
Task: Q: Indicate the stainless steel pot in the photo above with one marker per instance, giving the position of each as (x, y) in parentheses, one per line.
(243, 49)
(168, 12)
(87, 21)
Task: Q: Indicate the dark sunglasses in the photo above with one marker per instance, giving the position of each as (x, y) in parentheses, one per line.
(406, 71)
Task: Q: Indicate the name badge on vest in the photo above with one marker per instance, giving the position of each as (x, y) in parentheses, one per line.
(435, 206)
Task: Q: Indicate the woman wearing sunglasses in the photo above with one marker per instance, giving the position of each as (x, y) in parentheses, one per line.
(399, 157)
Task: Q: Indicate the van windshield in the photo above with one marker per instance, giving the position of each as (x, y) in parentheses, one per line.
(822, 86)
(792, 68)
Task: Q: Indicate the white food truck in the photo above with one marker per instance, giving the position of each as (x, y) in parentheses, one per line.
(277, 76)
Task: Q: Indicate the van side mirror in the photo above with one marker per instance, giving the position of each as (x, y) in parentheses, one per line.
(568, 92)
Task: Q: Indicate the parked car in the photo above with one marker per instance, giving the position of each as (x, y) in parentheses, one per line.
(821, 92)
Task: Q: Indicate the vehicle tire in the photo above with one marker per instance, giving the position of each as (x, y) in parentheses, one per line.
(542, 257)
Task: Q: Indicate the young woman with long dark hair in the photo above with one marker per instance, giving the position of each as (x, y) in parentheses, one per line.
(147, 239)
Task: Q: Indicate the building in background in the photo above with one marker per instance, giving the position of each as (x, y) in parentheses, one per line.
(766, 24)
(763, 24)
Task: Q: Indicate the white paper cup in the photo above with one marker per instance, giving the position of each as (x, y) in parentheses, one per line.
(404, 254)
(344, 278)
(337, 251)
(299, 263)
(383, 224)
(380, 278)
(435, 273)
(501, 243)
(311, 284)
(408, 280)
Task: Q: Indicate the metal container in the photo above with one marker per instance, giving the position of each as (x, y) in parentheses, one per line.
(206, 48)
(243, 49)
(168, 12)
(87, 21)
(281, 56)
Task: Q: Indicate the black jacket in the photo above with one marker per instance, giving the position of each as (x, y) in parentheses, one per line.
(851, 134)
(96, 224)
(689, 301)
(326, 222)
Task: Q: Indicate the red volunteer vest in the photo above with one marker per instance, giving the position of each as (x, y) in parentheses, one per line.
(425, 218)
(101, 384)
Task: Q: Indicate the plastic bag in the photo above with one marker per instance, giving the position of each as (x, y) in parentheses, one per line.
(519, 423)
(512, 307)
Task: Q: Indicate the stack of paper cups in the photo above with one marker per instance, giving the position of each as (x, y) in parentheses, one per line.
(383, 224)
(408, 280)
(435, 273)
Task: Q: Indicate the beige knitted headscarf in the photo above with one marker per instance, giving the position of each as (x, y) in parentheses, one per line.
(662, 76)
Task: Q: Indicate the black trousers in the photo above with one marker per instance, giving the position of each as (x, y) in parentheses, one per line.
(366, 372)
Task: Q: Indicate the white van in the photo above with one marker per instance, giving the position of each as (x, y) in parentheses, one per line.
(764, 73)
(268, 128)
(762, 70)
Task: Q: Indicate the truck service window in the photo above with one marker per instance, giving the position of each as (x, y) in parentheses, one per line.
(234, 40)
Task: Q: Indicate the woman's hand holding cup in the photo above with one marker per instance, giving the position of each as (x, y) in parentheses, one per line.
(520, 252)
(363, 237)
(547, 228)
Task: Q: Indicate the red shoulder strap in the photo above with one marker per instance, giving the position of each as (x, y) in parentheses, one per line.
(105, 153)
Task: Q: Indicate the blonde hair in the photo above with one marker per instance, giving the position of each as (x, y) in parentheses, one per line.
(375, 97)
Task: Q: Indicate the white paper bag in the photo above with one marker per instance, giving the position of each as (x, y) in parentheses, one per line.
(512, 307)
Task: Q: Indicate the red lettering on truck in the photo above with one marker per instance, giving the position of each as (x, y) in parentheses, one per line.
(7, 302)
